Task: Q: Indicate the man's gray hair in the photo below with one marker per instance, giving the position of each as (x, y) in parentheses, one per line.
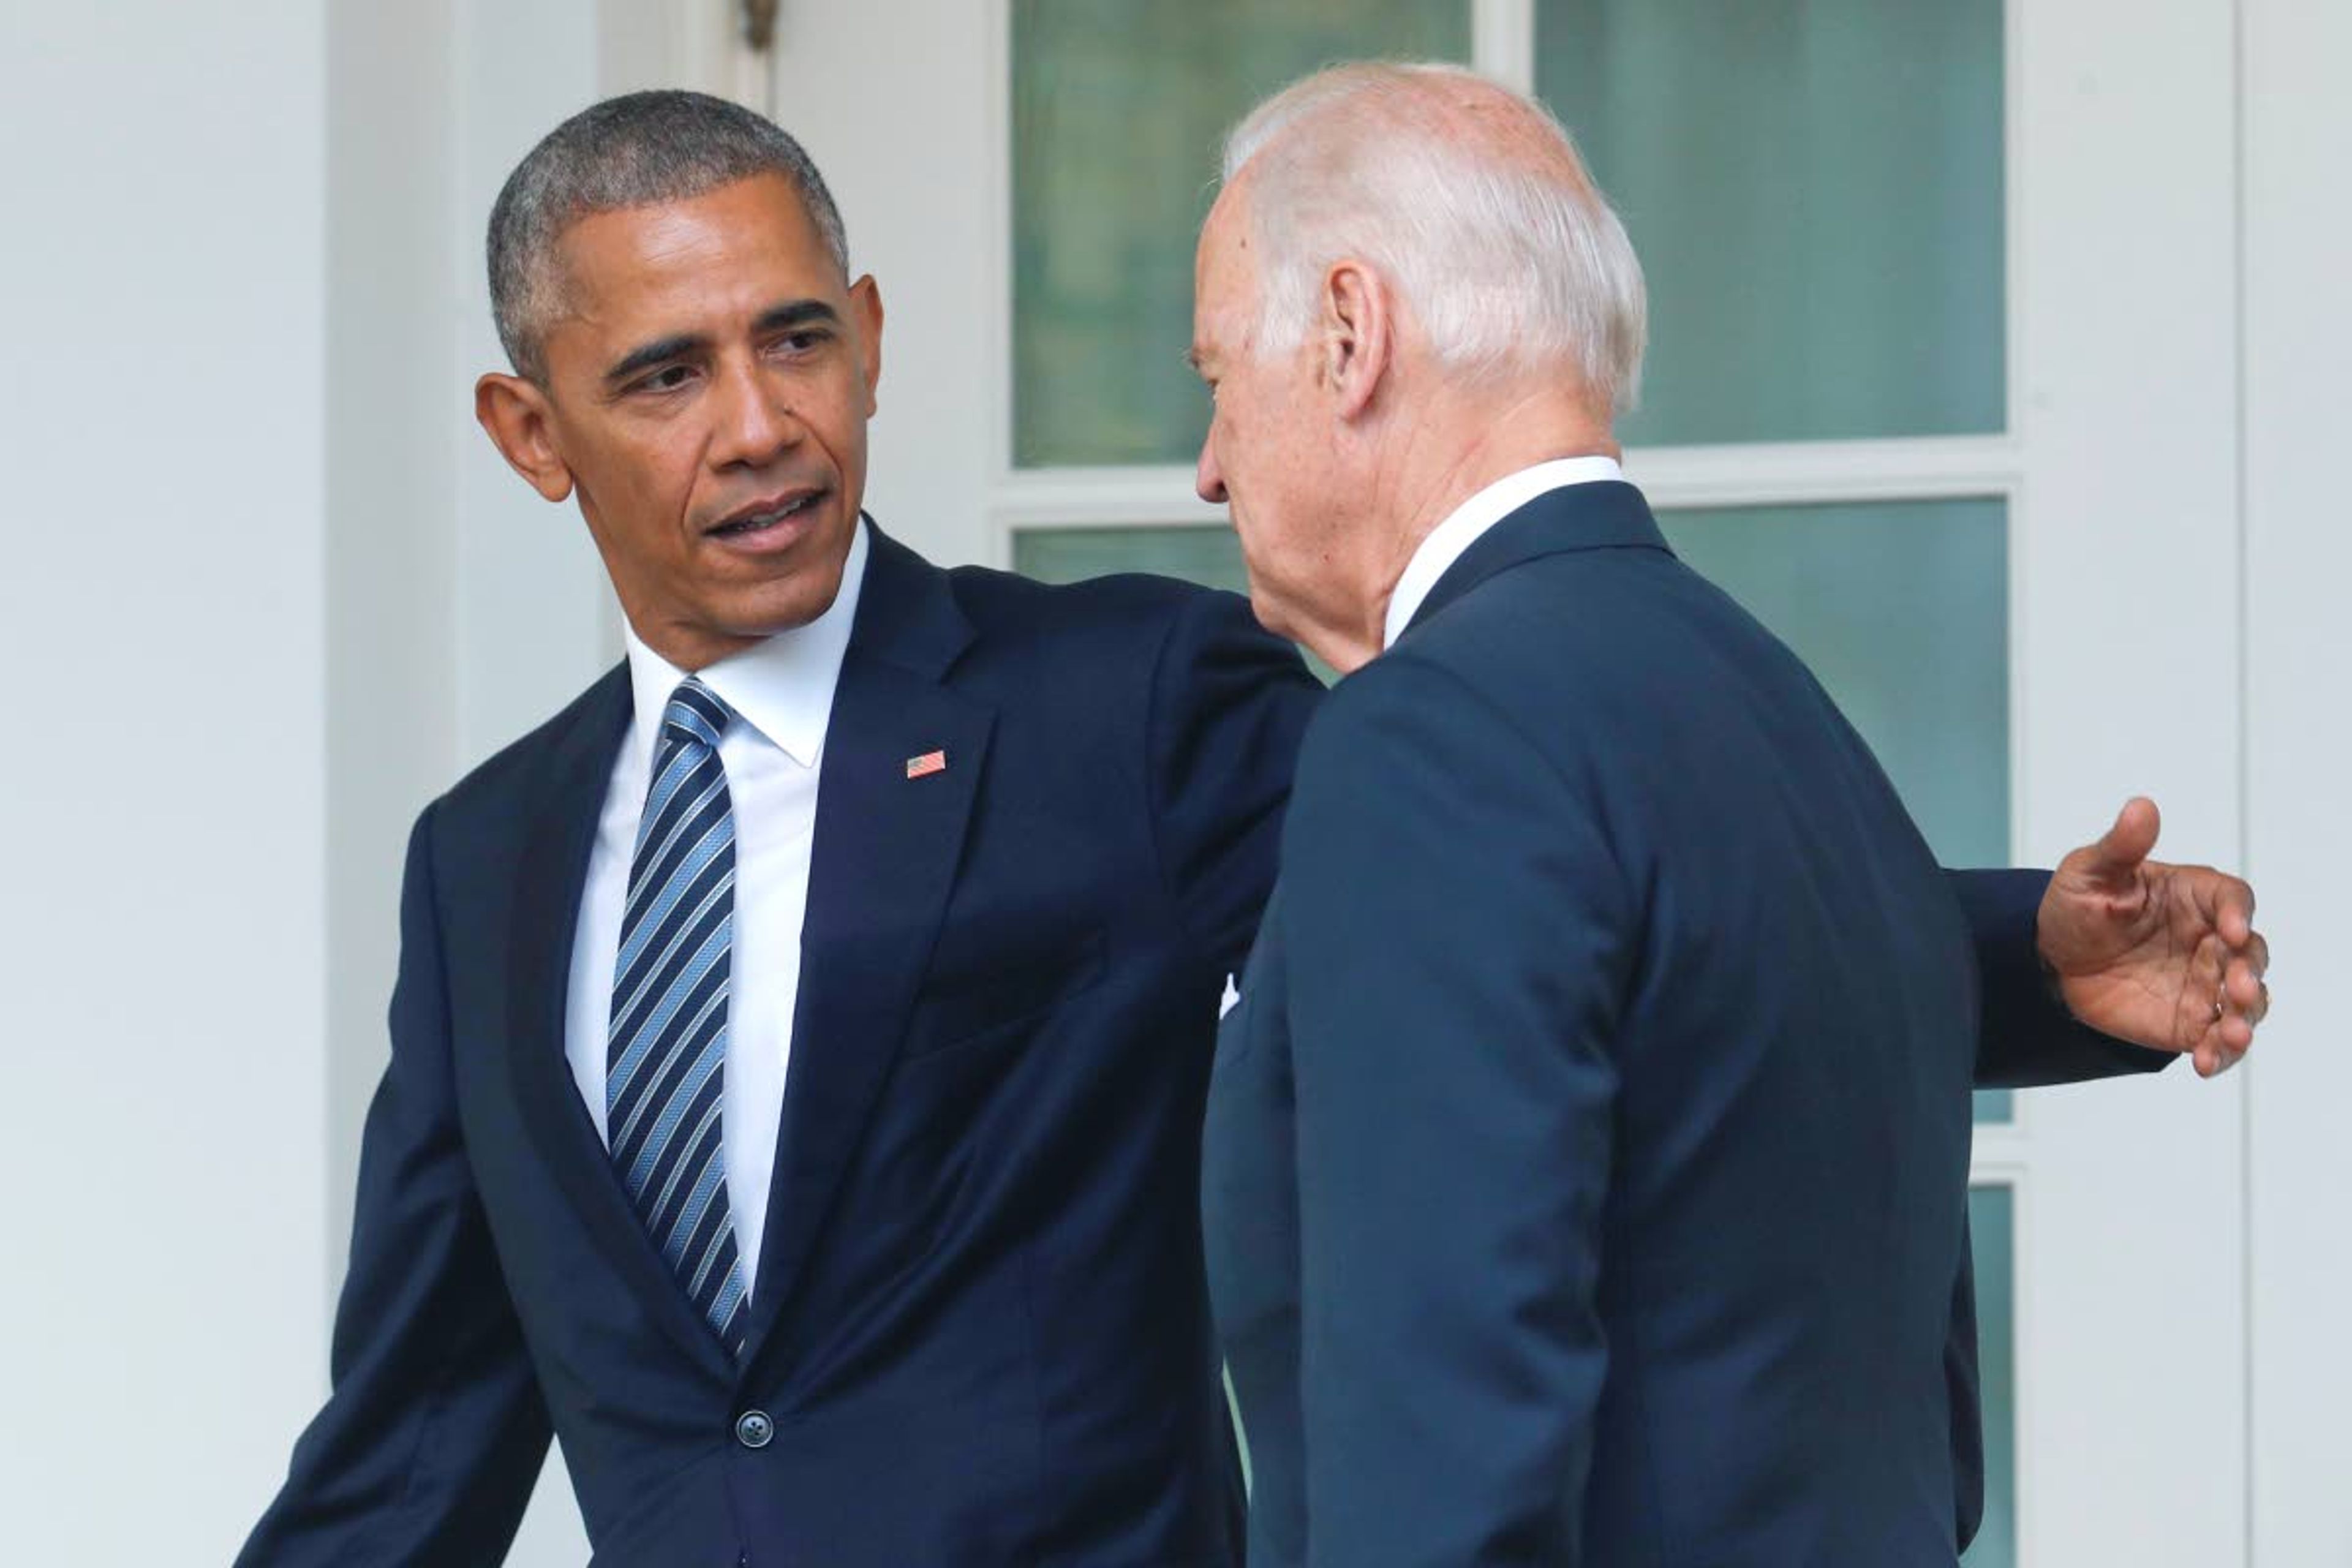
(1468, 197)
(638, 150)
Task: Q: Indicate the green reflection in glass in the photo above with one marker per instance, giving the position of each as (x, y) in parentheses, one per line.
(1118, 109)
(1901, 611)
(1992, 1229)
(1815, 188)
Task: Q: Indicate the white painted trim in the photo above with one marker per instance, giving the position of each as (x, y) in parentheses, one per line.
(1154, 496)
(2003, 1154)
(1800, 472)
(2024, 1353)
(1787, 474)
(1503, 41)
(996, 257)
(2014, 261)
(2296, 125)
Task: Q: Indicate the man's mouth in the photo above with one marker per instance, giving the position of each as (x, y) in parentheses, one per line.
(767, 516)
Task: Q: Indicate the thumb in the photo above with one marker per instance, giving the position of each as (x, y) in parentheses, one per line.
(2116, 857)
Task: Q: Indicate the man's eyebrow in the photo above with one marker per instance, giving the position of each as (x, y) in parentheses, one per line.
(797, 313)
(660, 352)
(776, 319)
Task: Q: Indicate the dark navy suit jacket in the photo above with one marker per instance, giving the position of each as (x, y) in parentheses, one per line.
(1587, 1153)
(982, 1333)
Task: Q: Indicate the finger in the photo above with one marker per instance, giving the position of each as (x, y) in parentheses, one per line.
(2257, 954)
(2259, 1007)
(2243, 990)
(2222, 1048)
(2213, 1058)
(2225, 902)
(2117, 854)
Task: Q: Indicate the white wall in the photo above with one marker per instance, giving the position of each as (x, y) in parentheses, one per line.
(162, 941)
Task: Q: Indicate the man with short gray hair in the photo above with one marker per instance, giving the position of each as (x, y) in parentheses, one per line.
(1588, 1149)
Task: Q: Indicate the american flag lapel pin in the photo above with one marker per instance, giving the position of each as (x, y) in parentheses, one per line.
(927, 764)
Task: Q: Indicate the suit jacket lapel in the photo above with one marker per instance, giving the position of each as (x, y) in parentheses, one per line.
(1607, 514)
(884, 860)
(561, 813)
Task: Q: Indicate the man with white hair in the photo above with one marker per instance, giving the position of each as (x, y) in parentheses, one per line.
(1588, 1150)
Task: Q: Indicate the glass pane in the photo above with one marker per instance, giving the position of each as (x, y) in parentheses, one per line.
(1815, 188)
(1993, 1230)
(1901, 610)
(1118, 108)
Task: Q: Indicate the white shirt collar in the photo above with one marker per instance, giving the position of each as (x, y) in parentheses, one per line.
(783, 687)
(1474, 517)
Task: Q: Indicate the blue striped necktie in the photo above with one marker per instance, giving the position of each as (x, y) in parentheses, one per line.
(666, 1065)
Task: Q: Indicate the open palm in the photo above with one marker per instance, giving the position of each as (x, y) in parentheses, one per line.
(2165, 956)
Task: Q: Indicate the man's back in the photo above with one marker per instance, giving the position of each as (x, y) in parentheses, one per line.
(1625, 1027)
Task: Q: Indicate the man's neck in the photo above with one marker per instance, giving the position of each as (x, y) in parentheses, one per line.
(1468, 445)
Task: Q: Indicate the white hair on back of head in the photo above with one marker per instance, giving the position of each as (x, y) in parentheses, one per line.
(1511, 264)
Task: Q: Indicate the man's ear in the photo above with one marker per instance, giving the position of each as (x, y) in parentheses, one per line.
(1357, 331)
(514, 412)
(865, 304)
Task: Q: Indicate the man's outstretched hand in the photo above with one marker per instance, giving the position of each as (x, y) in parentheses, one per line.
(2164, 956)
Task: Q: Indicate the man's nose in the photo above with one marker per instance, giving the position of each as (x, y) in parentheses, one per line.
(756, 421)
(1208, 479)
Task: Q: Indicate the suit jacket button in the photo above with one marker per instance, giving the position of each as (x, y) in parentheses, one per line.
(752, 1429)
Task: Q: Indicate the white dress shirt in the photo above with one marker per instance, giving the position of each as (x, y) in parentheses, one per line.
(781, 695)
(1474, 517)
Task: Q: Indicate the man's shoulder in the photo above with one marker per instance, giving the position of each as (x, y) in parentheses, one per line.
(1131, 606)
(1125, 643)
(1591, 626)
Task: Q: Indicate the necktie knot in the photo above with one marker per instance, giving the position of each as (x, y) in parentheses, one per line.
(695, 712)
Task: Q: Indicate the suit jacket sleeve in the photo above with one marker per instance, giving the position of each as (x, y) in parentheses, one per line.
(1229, 703)
(1457, 938)
(2027, 1037)
(430, 1442)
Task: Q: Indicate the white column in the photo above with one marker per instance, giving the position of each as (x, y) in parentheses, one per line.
(163, 946)
(2131, 1291)
(2297, 142)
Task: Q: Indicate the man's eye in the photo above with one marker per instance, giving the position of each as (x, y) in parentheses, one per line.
(669, 378)
(801, 342)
